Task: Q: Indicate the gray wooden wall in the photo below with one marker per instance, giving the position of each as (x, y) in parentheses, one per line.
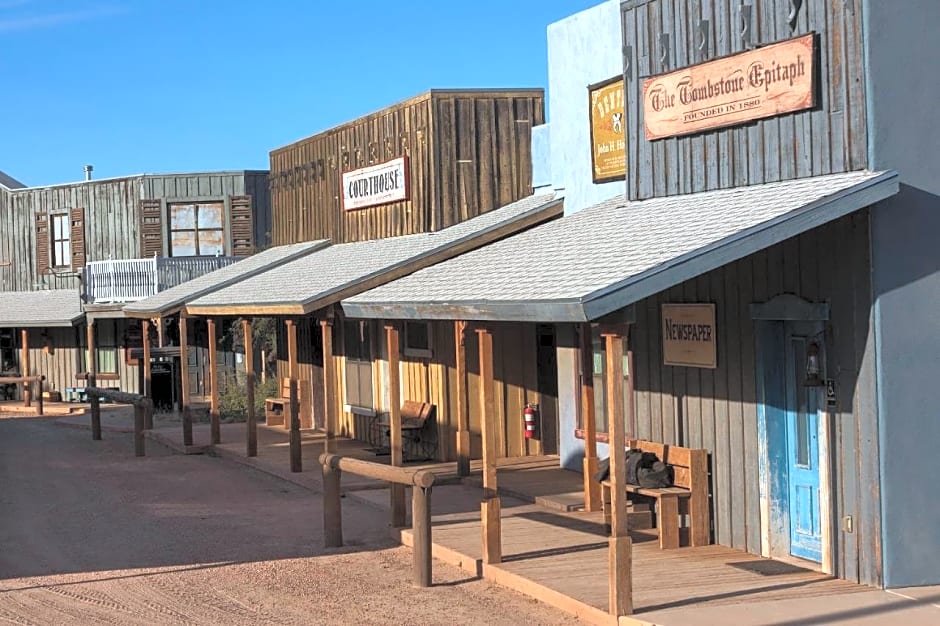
(829, 138)
(717, 409)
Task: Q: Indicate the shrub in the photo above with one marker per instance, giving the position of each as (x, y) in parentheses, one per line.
(233, 398)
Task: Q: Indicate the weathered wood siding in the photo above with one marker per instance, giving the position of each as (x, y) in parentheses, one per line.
(717, 409)
(468, 153)
(664, 35)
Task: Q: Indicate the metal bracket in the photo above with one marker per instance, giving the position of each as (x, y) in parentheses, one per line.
(795, 6)
(664, 51)
(628, 62)
(703, 32)
(745, 13)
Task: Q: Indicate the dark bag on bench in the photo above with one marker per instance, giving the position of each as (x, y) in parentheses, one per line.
(636, 460)
(657, 476)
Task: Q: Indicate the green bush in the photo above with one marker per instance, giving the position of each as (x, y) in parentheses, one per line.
(233, 399)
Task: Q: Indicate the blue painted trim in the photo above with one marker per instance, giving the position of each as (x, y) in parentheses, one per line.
(790, 307)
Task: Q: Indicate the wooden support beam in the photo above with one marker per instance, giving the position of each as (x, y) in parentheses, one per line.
(490, 507)
(332, 506)
(421, 534)
(148, 374)
(592, 487)
(463, 410)
(394, 421)
(24, 362)
(161, 329)
(252, 443)
(291, 348)
(296, 458)
(329, 387)
(184, 381)
(620, 550)
(214, 415)
(91, 381)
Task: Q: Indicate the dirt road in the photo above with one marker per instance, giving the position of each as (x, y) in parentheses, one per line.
(89, 534)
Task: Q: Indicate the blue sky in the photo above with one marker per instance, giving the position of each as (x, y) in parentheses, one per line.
(137, 86)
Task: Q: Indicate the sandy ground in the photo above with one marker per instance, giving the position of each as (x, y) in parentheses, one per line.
(89, 534)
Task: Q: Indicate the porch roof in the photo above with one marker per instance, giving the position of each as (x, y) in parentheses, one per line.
(318, 280)
(40, 309)
(171, 300)
(613, 254)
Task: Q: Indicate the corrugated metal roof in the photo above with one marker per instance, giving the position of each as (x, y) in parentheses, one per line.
(322, 278)
(28, 309)
(606, 257)
(174, 298)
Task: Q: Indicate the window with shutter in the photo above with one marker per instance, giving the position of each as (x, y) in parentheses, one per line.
(61, 241)
(42, 243)
(78, 238)
(243, 226)
(151, 228)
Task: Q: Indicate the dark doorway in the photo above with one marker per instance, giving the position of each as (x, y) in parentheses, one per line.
(162, 384)
(547, 366)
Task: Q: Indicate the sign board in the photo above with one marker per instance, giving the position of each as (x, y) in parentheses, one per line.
(831, 399)
(751, 85)
(376, 184)
(689, 335)
(608, 141)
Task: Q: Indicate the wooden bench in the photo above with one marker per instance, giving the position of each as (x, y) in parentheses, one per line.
(276, 410)
(688, 496)
(418, 432)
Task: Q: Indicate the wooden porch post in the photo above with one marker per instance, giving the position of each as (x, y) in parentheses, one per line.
(91, 381)
(24, 361)
(160, 336)
(293, 423)
(490, 507)
(394, 422)
(620, 548)
(329, 388)
(214, 416)
(148, 377)
(592, 488)
(184, 381)
(252, 443)
(463, 413)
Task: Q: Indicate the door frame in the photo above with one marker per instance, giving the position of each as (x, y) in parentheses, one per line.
(769, 329)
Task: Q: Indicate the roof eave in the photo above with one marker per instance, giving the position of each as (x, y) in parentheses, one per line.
(554, 311)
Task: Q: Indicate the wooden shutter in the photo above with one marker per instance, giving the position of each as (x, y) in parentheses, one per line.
(151, 228)
(77, 237)
(42, 243)
(243, 226)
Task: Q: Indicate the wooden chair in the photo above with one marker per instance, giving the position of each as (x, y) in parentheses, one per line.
(418, 432)
(689, 495)
(276, 409)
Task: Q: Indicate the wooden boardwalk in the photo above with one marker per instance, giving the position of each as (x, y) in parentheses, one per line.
(562, 558)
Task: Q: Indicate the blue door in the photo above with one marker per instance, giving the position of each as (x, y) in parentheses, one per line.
(802, 454)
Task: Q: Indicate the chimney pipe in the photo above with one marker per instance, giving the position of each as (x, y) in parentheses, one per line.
(88, 170)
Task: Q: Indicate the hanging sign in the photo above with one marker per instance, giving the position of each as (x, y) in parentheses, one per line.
(376, 184)
(689, 335)
(760, 83)
(608, 141)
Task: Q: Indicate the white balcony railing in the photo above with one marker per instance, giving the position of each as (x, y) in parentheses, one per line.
(129, 280)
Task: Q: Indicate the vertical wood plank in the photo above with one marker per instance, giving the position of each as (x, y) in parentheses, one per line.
(463, 412)
(749, 292)
(24, 359)
(421, 525)
(214, 417)
(184, 380)
(330, 393)
(490, 507)
(733, 363)
(620, 582)
(296, 458)
(148, 378)
(251, 445)
(332, 507)
(592, 488)
(394, 415)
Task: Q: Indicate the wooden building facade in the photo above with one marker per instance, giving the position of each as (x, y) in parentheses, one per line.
(468, 152)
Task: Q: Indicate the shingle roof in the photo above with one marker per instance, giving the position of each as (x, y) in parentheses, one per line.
(606, 257)
(28, 309)
(320, 279)
(174, 298)
(9, 182)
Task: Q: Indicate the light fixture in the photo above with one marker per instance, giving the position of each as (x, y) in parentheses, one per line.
(812, 367)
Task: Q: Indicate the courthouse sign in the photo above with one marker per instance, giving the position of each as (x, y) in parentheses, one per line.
(376, 184)
(760, 83)
(608, 143)
(689, 335)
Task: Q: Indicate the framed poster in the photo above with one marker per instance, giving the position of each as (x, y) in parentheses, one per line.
(608, 139)
(689, 335)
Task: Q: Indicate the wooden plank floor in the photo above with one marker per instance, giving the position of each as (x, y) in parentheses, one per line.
(567, 552)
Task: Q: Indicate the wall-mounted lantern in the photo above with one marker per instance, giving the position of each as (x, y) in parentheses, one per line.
(812, 367)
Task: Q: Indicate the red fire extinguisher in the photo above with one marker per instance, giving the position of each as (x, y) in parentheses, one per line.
(530, 415)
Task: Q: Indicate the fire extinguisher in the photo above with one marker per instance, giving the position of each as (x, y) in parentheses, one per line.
(531, 416)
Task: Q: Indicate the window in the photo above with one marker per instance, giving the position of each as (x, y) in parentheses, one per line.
(61, 241)
(599, 364)
(418, 339)
(357, 347)
(197, 228)
(106, 347)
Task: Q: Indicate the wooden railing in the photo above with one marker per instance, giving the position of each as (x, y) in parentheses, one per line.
(128, 280)
(421, 482)
(143, 412)
(26, 381)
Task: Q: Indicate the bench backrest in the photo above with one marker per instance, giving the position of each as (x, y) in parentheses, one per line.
(420, 411)
(689, 465)
(285, 388)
